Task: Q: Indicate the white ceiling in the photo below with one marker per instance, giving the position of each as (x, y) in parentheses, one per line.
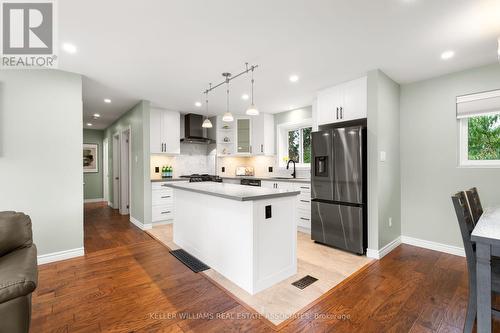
(168, 51)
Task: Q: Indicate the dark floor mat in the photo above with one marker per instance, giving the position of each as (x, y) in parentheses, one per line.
(194, 264)
(304, 282)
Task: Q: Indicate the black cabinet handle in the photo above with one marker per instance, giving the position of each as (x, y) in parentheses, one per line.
(341, 113)
(261, 148)
(303, 218)
(305, 187)
(168, 196)
(337, 112)
(166, 212)
(305, 201)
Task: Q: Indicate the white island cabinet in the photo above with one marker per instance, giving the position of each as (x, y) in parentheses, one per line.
(242, 232)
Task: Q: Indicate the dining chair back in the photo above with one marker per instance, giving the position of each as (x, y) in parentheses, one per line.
(476, 209)
(466, 224)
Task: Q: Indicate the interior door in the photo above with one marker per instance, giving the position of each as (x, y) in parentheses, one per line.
(337, 225)
(322, 165)
(116, 171)
(348, 167)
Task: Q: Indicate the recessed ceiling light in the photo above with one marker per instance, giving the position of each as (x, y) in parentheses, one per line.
(107, 100)
(89, 124)
(447, 55)
(294, 78)
(197, 104)
(245, 97)
(70, 48)
(96, 115)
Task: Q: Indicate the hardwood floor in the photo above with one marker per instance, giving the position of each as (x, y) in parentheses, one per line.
(128, 282)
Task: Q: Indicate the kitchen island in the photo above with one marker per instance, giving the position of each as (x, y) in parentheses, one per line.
(247, 234)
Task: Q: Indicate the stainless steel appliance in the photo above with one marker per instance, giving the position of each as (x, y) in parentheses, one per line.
(250, 182)
(195, 178)
(338, 186)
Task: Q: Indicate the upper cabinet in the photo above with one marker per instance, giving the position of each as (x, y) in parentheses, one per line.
(243, 135)
(263, 134)
(346, 101)
(246, 135)
(165, 132)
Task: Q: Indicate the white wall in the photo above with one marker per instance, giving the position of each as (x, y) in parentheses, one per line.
(429, 172)
(41, 139)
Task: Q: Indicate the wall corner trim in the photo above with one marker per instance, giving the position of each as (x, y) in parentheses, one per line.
(140, 225)
(450, 249)
(93, 200)
(379, 254)
(60, 255)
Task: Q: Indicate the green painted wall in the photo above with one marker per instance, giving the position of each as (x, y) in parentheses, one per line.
(384, 182)
(138, 120)
(429, 149)
(93, 181)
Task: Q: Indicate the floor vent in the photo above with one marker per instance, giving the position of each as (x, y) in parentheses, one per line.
(194, 264)
(304, 282)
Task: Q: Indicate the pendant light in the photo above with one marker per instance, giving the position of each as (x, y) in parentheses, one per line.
(207, 123)
(252, 110)
(227, 117)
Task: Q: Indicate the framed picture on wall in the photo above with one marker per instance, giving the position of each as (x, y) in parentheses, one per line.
(90, 157)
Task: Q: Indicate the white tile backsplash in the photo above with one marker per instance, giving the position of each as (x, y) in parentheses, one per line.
(194, 158)
(260, 164)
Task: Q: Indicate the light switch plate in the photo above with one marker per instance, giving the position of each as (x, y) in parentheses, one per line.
(383, 156)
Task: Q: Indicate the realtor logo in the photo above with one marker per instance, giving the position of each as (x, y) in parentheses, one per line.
(28, 34)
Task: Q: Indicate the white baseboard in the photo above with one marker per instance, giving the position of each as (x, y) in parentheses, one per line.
(140, 225)
(61, 255)
(94, 200)
(110, 204)
(379, 254)
(455, 250)
(163, 222)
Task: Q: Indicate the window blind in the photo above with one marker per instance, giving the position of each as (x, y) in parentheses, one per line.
(478, 104)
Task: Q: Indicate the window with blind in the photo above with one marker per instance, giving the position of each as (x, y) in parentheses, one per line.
(478, 118)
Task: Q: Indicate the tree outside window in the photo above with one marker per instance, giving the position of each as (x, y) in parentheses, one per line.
(299, 145)
(484, 138)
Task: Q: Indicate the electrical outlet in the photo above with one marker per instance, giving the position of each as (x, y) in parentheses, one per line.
(390, 221)
(223, 169)
(157, 169)
(270, 169)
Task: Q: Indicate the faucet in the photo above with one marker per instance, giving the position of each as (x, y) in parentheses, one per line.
(294, 174)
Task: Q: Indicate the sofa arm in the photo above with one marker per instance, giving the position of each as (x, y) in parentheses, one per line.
(15, 231)
(18, 273)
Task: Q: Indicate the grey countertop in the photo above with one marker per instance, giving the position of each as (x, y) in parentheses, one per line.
(169, 179)
(488, 226)
(272, 179)
(233, 191)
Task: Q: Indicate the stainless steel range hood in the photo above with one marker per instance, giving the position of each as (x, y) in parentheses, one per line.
(193, 132)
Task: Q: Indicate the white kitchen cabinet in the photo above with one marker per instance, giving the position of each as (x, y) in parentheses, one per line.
(346, 101)
(263, 134)
(162, 202)
(164, 132)
(304, 200)
(243, 132)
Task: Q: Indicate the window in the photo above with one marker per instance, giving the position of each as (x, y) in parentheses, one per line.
(295, 143)
(480, 140)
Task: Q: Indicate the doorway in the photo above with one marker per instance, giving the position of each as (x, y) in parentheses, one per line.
(124, 201)
(116, 171)
(105, 171)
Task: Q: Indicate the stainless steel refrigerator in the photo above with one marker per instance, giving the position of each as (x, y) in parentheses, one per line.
(338, 178)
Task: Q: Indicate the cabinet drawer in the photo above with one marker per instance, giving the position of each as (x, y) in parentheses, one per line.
(160, 213)
(304, 211)
(161, 197)
(304, 222)
(304, 200)
(306, 188)
(160, 186)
